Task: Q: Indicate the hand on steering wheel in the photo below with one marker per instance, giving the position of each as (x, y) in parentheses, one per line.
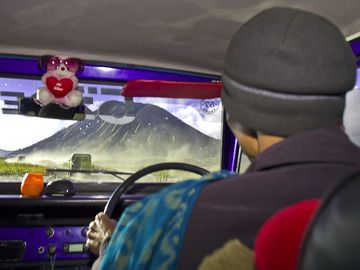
(102, 227)
(99, 230)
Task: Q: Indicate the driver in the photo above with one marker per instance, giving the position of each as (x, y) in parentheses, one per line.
(285, 77)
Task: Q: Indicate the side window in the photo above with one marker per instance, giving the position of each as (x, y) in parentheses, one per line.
(352, 115)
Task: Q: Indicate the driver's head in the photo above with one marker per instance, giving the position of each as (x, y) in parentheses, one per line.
(286, 71)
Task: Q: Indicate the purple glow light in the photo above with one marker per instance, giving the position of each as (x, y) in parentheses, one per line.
(234, 155)
(29, 67)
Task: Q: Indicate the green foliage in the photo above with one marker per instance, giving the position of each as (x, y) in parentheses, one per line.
(16, 168)
(162, 176)
(67, 164)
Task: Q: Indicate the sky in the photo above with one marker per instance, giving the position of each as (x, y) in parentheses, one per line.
(19, 131)
(191, 112)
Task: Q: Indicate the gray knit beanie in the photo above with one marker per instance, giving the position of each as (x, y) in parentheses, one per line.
(287, 71)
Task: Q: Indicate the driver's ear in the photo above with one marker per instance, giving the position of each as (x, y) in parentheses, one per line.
(247, 138)
(248, 141)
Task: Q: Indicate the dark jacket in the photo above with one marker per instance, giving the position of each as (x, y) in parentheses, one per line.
(300, 167)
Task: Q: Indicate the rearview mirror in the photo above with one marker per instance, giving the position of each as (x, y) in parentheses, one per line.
(28, 106)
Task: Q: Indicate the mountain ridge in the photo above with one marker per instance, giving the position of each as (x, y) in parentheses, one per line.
(4, 153)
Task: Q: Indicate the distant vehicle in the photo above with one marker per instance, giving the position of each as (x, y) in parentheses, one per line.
(80, 161)
(21, 158)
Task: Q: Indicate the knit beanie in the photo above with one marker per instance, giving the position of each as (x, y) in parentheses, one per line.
(287, 71)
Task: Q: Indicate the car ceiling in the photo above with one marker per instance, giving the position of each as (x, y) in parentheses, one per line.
(180, 34)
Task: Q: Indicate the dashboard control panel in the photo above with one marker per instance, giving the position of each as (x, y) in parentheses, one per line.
(41, 243)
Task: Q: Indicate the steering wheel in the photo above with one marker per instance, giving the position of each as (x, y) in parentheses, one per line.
(124, 186)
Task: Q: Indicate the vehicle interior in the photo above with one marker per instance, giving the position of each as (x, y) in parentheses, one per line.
(148, 74)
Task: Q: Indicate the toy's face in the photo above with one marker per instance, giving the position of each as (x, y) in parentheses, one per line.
(62, 65)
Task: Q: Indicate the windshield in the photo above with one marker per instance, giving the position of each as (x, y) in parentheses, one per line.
(115, 135)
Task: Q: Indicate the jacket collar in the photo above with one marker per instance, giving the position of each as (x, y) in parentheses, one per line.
(330, 145)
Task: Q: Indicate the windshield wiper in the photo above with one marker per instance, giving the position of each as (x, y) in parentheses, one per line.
(113, 173)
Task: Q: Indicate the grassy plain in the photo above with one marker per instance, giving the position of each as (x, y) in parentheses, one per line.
(18, 168)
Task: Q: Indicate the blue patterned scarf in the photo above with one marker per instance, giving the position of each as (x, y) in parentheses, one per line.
(150, 232)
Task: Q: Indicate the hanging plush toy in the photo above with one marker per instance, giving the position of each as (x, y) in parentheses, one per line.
(60, 82)
(59, 97)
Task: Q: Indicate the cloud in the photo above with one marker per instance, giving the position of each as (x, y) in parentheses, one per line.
(190, 113)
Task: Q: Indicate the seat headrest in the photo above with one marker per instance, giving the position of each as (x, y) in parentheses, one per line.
(333, 238)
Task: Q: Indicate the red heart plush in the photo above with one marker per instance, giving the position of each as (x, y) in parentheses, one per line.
(59, 88)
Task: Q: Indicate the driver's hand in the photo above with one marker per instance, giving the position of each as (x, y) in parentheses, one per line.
(99, 230)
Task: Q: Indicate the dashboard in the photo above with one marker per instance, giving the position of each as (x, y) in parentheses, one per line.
(43, 244)
(50, 232)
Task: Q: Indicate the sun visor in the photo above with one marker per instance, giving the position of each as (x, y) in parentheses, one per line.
(171, 89)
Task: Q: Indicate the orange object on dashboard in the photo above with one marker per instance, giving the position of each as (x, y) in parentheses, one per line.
(171, 89)
(32, 184)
